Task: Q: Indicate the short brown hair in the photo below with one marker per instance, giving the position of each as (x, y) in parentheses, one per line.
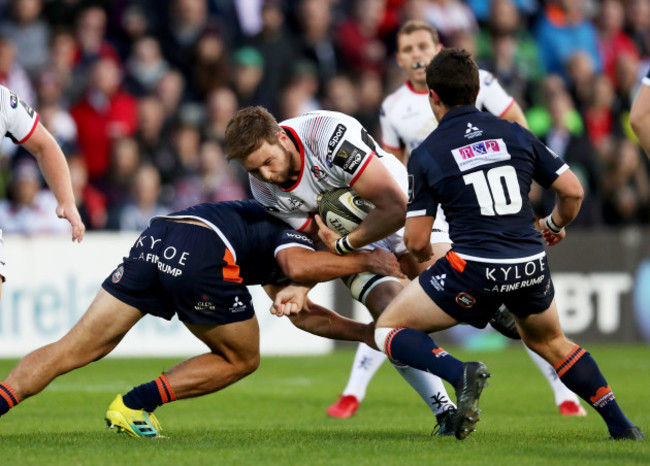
(247, 131)
(453, 75)
(413, 25)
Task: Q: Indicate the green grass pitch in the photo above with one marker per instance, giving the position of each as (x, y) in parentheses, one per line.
(277, 417)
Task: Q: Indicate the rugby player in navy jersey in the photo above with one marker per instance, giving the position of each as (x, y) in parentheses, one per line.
(196, 264)
(479, 168)
(640, 114)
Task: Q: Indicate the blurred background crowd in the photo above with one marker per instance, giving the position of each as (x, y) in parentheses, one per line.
(138, 92)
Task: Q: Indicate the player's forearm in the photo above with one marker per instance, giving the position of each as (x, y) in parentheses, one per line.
(640, 117)
(379, 224)
(566, 208)
(323, 266)
(323, 322)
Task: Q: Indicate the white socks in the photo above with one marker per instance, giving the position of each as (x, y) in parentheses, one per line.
(366, 363)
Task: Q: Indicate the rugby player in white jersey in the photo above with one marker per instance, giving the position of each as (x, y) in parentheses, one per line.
(19, 122)
(290, 164)
(406, 120)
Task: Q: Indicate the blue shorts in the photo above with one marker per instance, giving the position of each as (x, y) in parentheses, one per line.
(472, 292)
(183, 269)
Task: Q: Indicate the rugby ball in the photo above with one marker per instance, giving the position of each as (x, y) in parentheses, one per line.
(343, 210)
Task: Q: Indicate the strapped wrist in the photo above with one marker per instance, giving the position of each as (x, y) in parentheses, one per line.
(552, 226)
(343, 246)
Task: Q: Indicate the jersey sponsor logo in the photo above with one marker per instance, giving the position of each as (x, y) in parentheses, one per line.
(439, 352)
(118, 274)
(270, 208)
(299, 236)
(349, 157)
(237, 306)
(480, 153)
(319, 174)
(336, 137)
(411, 189)
(488, 79)
(204, 305)
(28, 109)
(465, 300)
(295, 203)
(13, 100)
(472, 131)
(438, 281)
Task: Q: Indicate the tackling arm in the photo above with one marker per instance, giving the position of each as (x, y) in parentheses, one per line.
(307, 266)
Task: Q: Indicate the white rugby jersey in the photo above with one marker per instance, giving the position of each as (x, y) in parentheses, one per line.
(17, 119)
(406, 120)
(334, 151)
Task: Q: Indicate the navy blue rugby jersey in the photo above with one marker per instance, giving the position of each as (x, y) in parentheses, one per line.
(250, 234)
(480, 168)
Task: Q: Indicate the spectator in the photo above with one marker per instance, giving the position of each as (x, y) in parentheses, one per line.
(214, 181)
(104, 114)
(576, 150)
(170, 91)
(277, 50)
(153, 145)
(626, 186)
(561, 32)
(145, 66)
(188, 21)
(29, 33)
(12, 75)
(247, 77)
(359, 38)
(30, 210)
(211, 67)
(450, 17)
(53, 116)
(508, 50)
(91, 203)
(602, 114)
(638, 21)
(90, 32)
(221, 105)
(612, 40)
(116, 186)
(317, 43)
(301, 94)
(62, 52)
(144, 204)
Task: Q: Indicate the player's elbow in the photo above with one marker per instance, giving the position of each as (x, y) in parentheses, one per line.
(416, 244)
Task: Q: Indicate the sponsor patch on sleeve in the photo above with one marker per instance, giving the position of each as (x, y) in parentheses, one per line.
(336, 137)
(349, 157)
(13, 100)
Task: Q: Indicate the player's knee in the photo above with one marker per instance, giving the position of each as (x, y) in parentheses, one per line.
(381, 333)
(247, 366)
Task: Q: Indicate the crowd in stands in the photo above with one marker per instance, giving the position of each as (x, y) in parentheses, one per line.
(138, 93)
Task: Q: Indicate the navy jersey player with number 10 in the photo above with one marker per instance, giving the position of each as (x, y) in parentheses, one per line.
(480, 168)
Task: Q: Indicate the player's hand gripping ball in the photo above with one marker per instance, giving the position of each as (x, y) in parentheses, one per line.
(343, 210)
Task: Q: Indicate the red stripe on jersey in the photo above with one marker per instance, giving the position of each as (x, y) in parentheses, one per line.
(412, 89)
(363, 167)
(507, 108)
(30, 133)
(302, 159)
(304, 225)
